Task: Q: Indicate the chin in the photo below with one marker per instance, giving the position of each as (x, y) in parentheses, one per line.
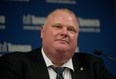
(61, 49)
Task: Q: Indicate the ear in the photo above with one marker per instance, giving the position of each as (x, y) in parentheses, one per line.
(42, 31)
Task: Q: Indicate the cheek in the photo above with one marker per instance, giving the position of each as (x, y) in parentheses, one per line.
(49, 35)
(47, 32)
(74, 40)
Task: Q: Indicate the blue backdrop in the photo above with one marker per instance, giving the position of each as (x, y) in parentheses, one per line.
(20, 22)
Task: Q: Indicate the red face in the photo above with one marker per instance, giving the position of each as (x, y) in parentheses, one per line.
(60, 34)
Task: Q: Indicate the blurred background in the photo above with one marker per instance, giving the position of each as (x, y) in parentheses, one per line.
(20, 22)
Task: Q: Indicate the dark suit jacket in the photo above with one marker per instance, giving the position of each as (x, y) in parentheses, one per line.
(31, 65)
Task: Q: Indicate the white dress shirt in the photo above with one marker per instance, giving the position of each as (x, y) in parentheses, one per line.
(52, 73)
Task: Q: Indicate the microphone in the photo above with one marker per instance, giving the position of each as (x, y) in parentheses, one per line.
(98, 52)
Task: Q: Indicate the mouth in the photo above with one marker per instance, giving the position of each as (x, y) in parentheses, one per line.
(62, 41)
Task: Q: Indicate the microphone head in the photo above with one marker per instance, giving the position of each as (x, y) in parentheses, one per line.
(97, 52)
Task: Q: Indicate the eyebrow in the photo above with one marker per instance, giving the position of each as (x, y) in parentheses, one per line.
(62, 25)
(68, 27)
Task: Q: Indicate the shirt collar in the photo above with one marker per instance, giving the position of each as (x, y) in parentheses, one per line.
(48, 62)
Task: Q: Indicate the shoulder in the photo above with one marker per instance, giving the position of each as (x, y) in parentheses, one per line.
(19, 56)
(86, 57)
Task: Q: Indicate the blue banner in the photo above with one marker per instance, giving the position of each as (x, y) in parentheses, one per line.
(20, 22)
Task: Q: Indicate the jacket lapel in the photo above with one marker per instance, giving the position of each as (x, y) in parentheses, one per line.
(79, 69)
(41, 71)
(39, 65)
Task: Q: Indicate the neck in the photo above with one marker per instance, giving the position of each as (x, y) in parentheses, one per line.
(59, 63)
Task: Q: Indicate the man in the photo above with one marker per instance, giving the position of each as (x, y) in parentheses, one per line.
(59, 40)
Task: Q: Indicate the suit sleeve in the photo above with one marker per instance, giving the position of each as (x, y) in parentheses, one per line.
(94, 67)
(9, 67)
(103, 72)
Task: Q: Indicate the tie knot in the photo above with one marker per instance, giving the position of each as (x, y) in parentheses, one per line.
(58, 70)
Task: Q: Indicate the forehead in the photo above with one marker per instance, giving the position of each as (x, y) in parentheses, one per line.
(62, 16)
(58, 13)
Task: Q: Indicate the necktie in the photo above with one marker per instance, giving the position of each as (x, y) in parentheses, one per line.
(59, 71)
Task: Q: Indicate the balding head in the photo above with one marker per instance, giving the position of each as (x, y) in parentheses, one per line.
(59, 35)
(64, 11)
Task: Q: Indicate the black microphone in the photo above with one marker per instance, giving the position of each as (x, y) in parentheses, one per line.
(98, 52)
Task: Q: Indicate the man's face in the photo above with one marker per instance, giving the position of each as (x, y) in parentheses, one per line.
(60, 32)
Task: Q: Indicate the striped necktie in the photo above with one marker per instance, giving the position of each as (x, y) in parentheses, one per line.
(59, 71)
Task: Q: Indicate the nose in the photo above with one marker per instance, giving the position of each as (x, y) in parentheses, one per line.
(64, 32)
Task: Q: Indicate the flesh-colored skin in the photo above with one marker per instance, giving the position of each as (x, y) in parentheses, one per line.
(59, 36)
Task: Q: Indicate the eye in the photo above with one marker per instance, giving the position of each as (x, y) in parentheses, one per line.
(72, 29)
(57, 26)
